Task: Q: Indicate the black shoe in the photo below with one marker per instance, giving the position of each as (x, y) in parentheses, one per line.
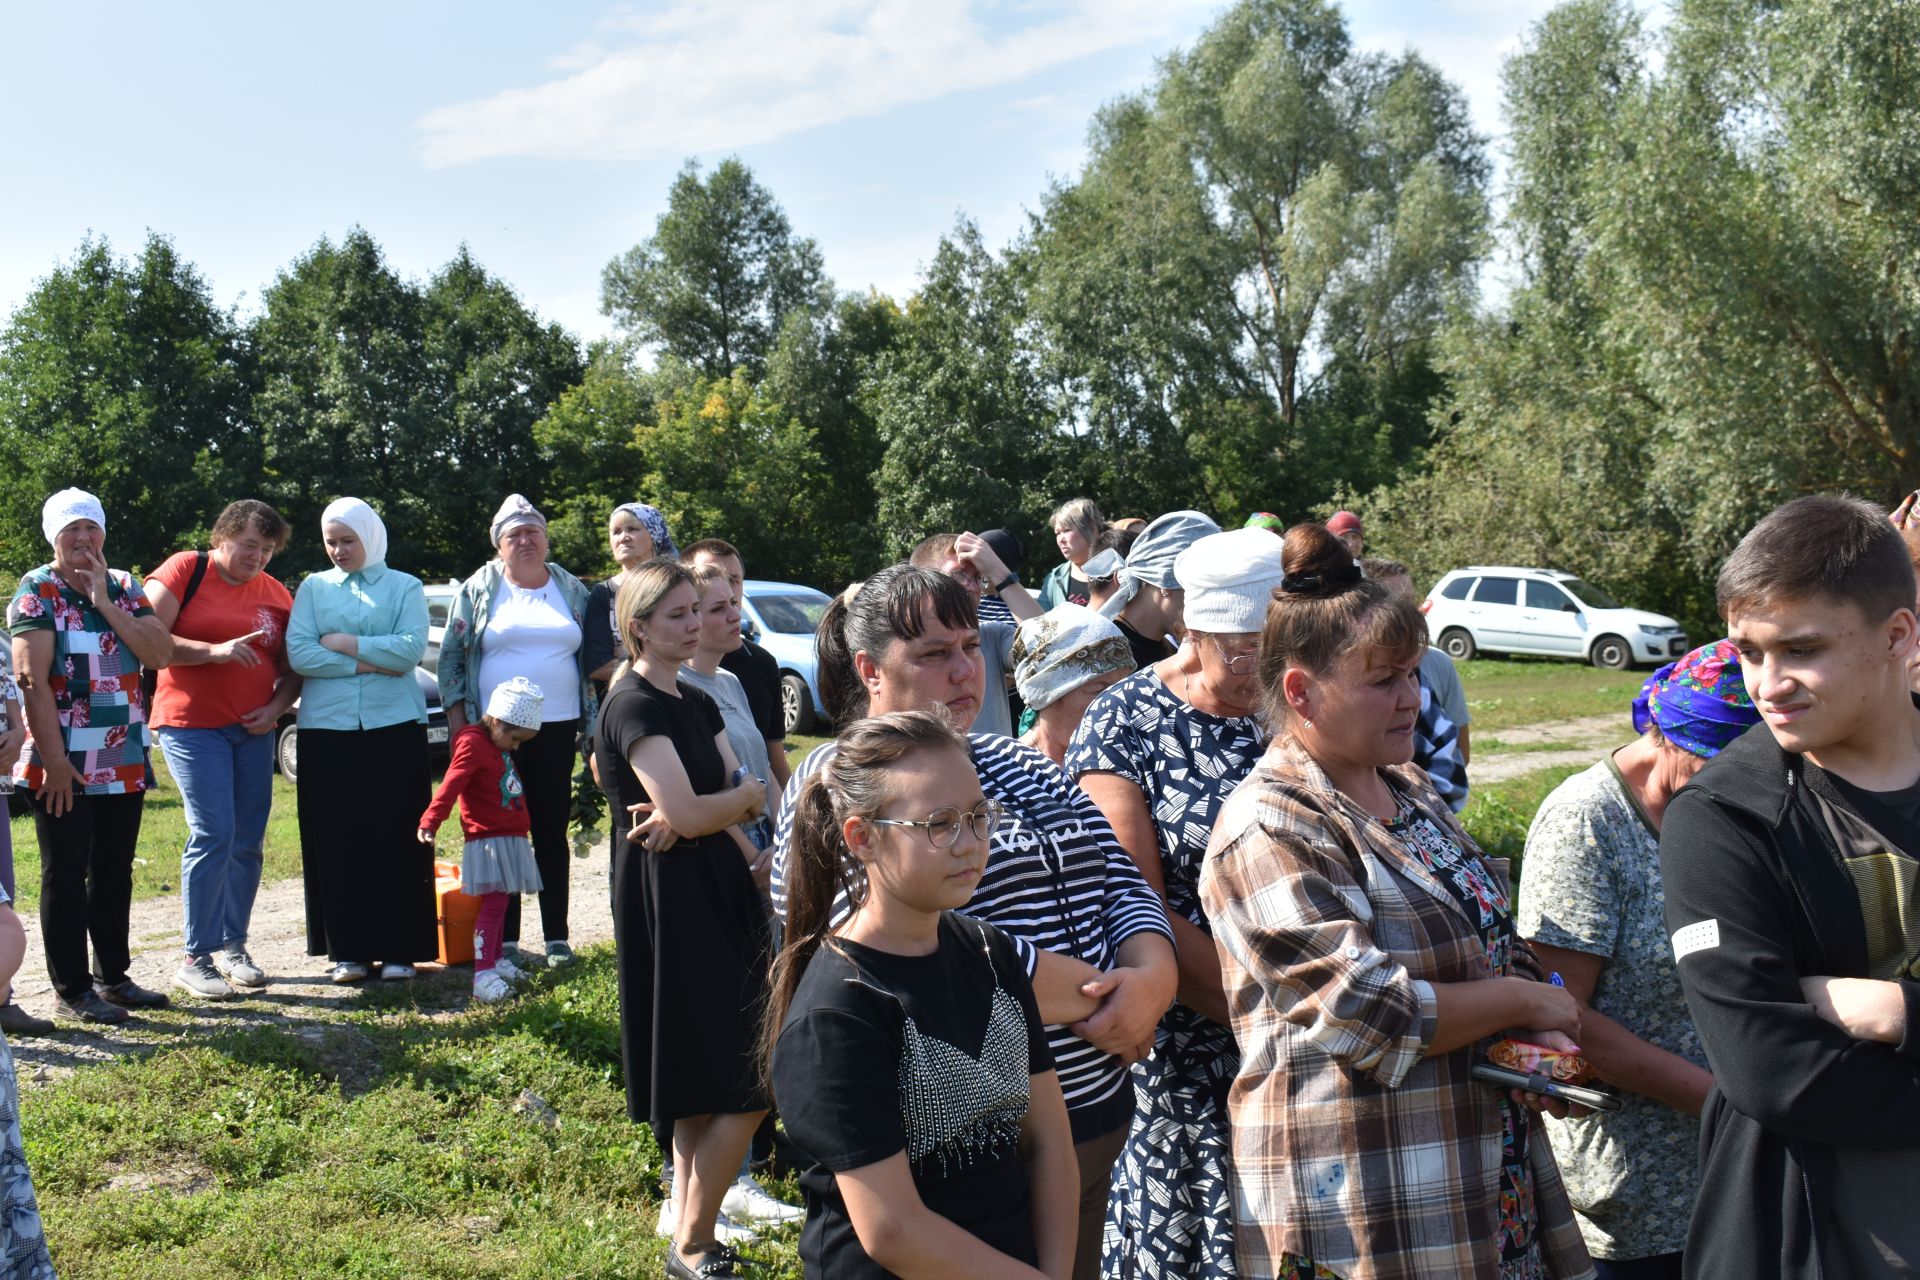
(716, 1263)
(129, 994)
(89, 1008)
(16, 1021)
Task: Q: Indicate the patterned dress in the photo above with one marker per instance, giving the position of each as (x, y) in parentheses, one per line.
(1171, 1211)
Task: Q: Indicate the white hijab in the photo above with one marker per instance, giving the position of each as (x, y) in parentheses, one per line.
(363, 520)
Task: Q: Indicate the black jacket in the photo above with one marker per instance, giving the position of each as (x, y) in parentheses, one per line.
(1744, 845)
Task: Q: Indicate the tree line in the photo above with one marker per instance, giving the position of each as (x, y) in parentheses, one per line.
(1261, 292)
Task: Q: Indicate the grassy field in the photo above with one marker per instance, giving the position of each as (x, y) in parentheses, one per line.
(1507, 694)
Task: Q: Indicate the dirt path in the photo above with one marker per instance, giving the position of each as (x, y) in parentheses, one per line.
(1580, 741)
(298, 992)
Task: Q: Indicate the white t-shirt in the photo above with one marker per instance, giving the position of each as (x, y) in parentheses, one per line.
(532, 633)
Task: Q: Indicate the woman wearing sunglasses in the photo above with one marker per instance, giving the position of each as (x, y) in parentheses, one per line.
(1160, 752)
(903, 1042)
(1083, 921)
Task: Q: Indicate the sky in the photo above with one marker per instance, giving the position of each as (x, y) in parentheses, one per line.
(545, 137)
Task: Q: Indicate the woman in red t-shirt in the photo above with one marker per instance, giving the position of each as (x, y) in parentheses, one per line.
(214, 711)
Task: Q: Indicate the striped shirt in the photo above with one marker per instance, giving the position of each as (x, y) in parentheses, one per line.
(1056, 880)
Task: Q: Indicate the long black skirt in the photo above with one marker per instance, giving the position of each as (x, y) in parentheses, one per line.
(693, 945)
(369, 880)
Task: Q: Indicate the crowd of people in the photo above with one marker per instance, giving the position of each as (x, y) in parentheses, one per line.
(1125, 928)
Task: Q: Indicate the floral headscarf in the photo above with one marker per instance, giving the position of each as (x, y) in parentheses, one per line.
(1062, 649)
(1699, 703)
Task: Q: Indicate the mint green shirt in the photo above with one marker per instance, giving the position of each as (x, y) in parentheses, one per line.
(387, 610)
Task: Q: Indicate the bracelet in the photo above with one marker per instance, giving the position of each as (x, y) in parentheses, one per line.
(1005, 582)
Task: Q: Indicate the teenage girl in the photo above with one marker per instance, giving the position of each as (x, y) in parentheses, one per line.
(904, 1045)
(498, 861)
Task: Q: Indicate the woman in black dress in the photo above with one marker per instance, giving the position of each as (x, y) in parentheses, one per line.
(690, 928)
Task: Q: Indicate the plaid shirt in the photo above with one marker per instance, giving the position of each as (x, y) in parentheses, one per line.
(1351, 1146)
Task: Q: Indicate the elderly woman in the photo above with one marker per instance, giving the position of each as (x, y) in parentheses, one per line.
(521, 615)
(214, 711)
(1077, 526)
(1367, 950)
(356, 634)
(81, 632)
(1160, 753)
(1592, 906)
(636, 533)
(1056, 881)
(1147, 604)
(1062, 661)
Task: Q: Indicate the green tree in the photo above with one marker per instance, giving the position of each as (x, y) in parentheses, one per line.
(125, 379)
(720, 273)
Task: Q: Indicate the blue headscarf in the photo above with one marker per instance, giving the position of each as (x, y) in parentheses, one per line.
(1699, 703)
(656, 525)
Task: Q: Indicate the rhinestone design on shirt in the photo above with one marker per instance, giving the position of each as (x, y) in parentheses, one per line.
(958, 1108)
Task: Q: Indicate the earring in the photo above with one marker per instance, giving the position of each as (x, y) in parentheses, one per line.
(1308, 723)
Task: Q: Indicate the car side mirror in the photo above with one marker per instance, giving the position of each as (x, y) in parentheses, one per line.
(1569, 607)
(749, 630)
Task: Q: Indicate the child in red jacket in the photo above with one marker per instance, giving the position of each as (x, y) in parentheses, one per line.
(493, 812)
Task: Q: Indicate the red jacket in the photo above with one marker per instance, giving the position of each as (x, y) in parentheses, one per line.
(481, 777)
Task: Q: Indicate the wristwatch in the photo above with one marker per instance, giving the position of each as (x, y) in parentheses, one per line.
(1005, 582)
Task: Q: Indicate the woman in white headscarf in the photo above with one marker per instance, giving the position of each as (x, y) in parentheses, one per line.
(357, 632)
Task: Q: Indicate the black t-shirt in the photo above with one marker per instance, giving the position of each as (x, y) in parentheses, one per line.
(930, 1055)
(597, 644)
(1146, 650)
(1894, 814)
(759, 674)
(634, 710)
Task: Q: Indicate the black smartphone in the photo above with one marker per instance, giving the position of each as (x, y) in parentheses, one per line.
(1580, 1095)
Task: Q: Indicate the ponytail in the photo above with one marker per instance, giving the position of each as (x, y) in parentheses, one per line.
(891, 605)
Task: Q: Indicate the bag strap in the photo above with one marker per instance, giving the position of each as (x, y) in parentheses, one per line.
(200, 560)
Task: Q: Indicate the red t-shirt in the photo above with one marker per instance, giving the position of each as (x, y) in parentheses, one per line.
(215, 695)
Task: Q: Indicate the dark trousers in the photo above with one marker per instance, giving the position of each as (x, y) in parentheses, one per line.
(86, 888)
(545, 765)
(1665, 1266)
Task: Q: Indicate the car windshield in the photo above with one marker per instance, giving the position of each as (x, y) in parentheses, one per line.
(798, 614)
(1588, 594)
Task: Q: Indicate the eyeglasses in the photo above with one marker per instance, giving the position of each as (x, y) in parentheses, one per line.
(943, 825)
(1238, 664)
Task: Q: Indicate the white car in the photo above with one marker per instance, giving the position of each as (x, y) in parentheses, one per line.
(1504, 609)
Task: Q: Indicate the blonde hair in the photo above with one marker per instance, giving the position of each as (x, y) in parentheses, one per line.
(1081, 514)
(640, 594)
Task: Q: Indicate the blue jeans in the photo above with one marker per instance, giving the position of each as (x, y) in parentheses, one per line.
(226, 783)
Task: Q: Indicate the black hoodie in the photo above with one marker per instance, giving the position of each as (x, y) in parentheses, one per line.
(1744, 847)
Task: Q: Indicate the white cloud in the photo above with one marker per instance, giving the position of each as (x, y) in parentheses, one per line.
(701, 76)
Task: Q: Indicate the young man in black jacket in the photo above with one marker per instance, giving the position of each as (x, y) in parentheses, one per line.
(1792, 872)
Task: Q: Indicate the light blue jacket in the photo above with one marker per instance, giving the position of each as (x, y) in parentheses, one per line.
(467, 630)
(387, 609)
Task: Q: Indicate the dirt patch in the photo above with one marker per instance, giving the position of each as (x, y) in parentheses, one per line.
(1579, 741)
(298, 994)
(184, 1178)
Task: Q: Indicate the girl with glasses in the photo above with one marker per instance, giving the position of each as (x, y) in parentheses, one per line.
(903, 1042)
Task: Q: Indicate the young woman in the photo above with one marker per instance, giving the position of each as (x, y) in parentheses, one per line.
(904, 1043)
(719, 636)
(1077, 526)
(1367, 950)
(690, 928)
(1056, 881)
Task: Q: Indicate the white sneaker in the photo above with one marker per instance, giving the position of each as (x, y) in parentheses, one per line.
(237, 967)
(509, 970)
(490, 988)
(725, 1229)
(397, 972)
(748, 1201)
(349, 971)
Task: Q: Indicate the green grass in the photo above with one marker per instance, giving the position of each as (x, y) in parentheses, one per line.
(380, 1144)
(163, 836)
(1505, 694)
(1498, 814)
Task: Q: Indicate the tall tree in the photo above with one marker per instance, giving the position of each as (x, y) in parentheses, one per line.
(720, 273)
(123, 378)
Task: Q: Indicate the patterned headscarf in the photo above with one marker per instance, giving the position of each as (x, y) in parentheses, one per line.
(656, 525)
(1905, 516)
(1265, 520)
(1062, 649)
(1699, 703)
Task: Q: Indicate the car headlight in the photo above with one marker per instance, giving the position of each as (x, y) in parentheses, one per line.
(1659, 632)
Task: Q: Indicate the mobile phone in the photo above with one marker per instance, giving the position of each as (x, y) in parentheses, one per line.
(1579, 1095)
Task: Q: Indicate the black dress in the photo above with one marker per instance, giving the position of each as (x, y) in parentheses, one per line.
(368, 879)
(931, 1055)
(690, 928)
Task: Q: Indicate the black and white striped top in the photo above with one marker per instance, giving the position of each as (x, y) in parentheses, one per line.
(1056, 880)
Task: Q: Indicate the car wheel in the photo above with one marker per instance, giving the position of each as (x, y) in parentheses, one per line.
(1612, 653)
(286, 753)
(796, 703)
(1457, 644)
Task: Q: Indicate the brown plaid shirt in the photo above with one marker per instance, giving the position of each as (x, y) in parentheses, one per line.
(1351, 1146)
